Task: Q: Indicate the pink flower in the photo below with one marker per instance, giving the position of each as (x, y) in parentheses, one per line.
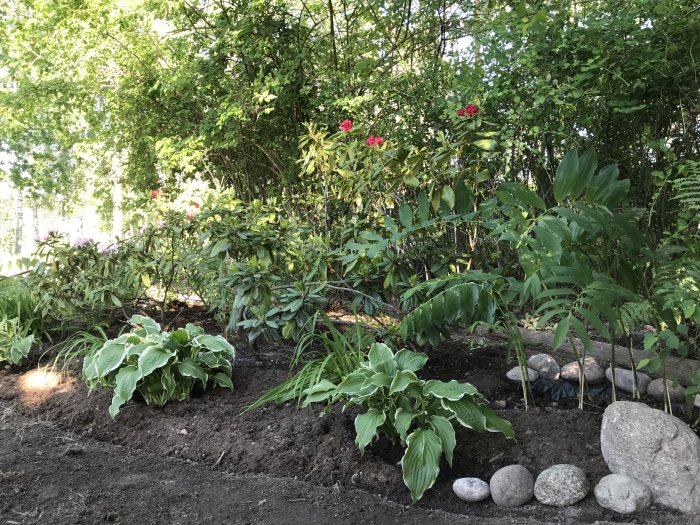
(374, 141)
(460, 112)
(155, 194)
(346, 125)
(81, 242)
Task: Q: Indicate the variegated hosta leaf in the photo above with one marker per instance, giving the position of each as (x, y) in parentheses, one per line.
(366, 426)
(153, 358)
(452, 390)
(379, 353)
(446, 432)
(495, 423)
(319, 392)
(408, 360)
(402, 380)
(149, 325)
(109, 358)
(421, 461)
(402, 422)
(467, 412)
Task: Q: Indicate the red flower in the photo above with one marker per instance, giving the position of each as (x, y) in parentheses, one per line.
(155, 194)
(196, 205)
(346, 125)
(460, 112)
(471, 110)
(374, 141)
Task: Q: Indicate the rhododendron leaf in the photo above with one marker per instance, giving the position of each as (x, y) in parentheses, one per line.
(406, 215)
(448, 196)
(411, 181)
(486, 144)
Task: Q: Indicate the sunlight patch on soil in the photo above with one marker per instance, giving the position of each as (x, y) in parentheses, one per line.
(37, 385)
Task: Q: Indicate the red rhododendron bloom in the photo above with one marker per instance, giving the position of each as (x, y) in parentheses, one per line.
(460, 112)
(471, 110)
(155, 194)
(374, 141)
(346, 125)
(196, 205)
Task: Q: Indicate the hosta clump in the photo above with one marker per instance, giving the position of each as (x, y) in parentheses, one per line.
(161, 366)
(419, 414)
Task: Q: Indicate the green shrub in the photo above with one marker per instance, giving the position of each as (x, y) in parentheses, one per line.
(418, 414)
(161, 366)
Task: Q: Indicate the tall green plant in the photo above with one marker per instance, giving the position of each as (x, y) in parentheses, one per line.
(418, 414)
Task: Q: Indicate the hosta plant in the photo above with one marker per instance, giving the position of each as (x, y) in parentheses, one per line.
(161, 366)
(15, 342)
(418, 414)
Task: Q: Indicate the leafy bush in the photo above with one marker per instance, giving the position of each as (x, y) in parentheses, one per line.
(15, 343)
(161, 366)
(419, 414)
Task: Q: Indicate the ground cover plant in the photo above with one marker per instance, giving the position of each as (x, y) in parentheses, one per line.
(418, 414)
(160, 366)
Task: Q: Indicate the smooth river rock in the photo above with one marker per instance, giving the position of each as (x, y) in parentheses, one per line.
(471, 489)
(624, 380)
(545, 366)
(655, 448)
(512, 486)
(622, 494)
(656, 390)
(593, 372)
(561, 485)
(514, 374)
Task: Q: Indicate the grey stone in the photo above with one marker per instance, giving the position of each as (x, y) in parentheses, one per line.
(512, 486)
(622, 494)
(655, 448)
(514, 374)
(471, 489)
(697, 401)
(545, 366)
(624, 380)
(593, 372)
(561, 485)
(656, 390)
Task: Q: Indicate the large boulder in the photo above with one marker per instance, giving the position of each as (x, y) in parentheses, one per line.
(656, 449)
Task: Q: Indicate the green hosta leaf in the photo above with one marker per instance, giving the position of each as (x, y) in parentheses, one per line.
(495, 423)
(366, 426)
(560, 333)
(421, 462)
(408, 360)
(117, 403)
(180, 336)
(137, 349)
(378, 354)
(148, 324)
(319, 392)
(467, 413)
(152, 359)
(214, 343)
(402, 422)
(109, 358)
(126, 381)
(445, 431)
(193, 330)
(190, 368)
(223, 380)
(453, 390)
(401, 381)
(379, 379)
(352, 384)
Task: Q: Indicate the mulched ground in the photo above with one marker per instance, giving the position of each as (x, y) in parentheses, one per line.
(274, 453)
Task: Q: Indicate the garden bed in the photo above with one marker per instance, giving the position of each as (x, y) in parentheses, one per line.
(296, 445)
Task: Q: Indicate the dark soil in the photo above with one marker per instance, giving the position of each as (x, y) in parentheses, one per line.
(80, 466)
